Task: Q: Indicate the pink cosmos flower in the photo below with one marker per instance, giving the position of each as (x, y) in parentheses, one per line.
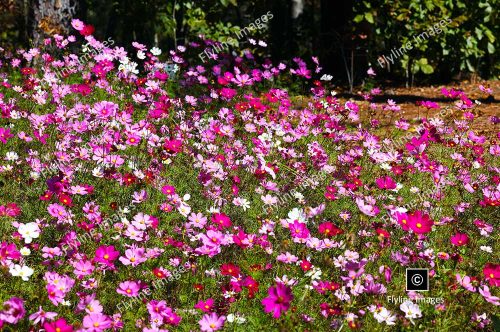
(83, 268)
(10, 210)
(278, 300)
(465, 282)
(57, 211)
(370, 209)
(128, 288)
(133, 256)
(492, 274)
(40, 316)
(211, 322)
(96, 322)
(485, 292)
(77, 24)
(8, 251)
(168, 190)
(13, 310)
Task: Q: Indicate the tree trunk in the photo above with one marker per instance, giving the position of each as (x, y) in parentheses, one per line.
(51, 17)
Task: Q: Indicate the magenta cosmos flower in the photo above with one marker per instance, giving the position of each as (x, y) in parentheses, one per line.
(299, 230)
(459, 239)
(386, 182)
(211, 322)
(420, 223)
(278, 300)
(221, 220)
(106, 255)
(205, 306)
(59, 325)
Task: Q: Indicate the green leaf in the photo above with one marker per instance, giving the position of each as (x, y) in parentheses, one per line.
(479, 33)
(491, 48)
(423, 61)
(358, 18)
(369, 18)
(427, 69)
(490, 36)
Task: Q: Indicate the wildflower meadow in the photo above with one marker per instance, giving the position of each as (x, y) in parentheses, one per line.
(142, 189)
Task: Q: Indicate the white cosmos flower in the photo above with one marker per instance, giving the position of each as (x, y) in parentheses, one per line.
(296, 214)
(98, 172)
(385, 166)
(236, 318)
(155, 51)
(29, 231)
(486, 248)
(382, 315)
(184, 209)
(25, 251)
(11, 156)
(141, 55)
(411, 309)
(21, 271)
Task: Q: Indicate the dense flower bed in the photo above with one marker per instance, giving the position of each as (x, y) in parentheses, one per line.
(154, 195)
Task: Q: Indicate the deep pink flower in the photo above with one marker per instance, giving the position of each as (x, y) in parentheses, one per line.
(5, 135)
(386, 182)
(10, 210)
(492, 274)
(298, 230)
(205, 306)
(221, 220)
(278, 300)
(420, 223)
(168, 190)
(173, 146)
(106, 255)
(59, 325)
(403, 220)
(459, 239)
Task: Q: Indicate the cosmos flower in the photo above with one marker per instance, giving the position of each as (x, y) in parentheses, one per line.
(459, 239)
(205, 306)
(24, 271)
(411, 310)
(420, 223)
(278, 301)
(128, 288)
(29, 231)
(59, 325)
(106, 255)
(211, 322)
